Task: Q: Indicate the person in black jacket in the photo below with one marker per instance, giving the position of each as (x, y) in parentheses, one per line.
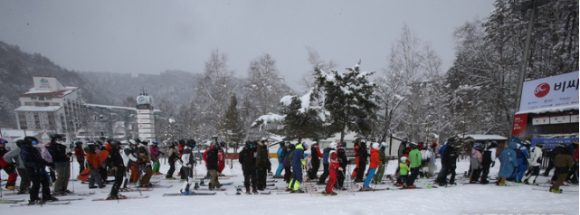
(36, 170)
(172, 156)
(188, 161)
(61, 160)
(115, 164)
(363, 156)
(450, 160)
(342, 162)
(212, 167)
(248, 161)
(314, 161)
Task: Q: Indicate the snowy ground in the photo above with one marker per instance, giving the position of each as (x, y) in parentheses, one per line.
(462, 199)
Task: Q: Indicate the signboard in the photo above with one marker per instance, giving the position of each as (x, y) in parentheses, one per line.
(559, 119)
(144, 130)
(554, 91)
(520, 125)
(544, 120)
(142, 136)
(550, 143)
(143, 111)
(143, 121)
(145, 126)
(144, 116)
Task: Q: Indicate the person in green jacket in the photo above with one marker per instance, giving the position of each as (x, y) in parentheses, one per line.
(415, 159)
(378, 179)
(403, 172)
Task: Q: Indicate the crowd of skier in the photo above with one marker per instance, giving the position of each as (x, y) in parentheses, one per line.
(136, 162)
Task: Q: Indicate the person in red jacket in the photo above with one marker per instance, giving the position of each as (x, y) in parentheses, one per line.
(375, 161)
(80, 154)
(221, 157)
(356, 159)
(333, 165)
(8, 167)
(204, 156)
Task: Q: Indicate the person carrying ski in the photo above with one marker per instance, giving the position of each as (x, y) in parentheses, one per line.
(562, 162)
(415, 159)
(248, 161)
(488, 159)
(378, 179)
(35, 167)
(172, 156)
(93, 164)
(212, 167)
(80, 155)
(188, 166)
(298, 163)
(8, 167)
(315, 160)
(476, 160)
(509, 163)
(13, 156)
(333, 166)
(375, 161)
(115, 164)
(535, 161)
(262, 163)
(154, 149)
(288, 162)
(450, 156)
(144, 162)
(280, 154)
(325, 165)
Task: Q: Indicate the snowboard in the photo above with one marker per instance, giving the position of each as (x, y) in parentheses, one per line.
(125, 198)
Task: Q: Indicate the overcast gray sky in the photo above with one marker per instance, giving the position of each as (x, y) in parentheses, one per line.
(154, 36)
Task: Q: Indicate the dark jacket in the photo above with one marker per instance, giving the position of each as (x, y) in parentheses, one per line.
(262, 159)
(33, 161)
(57, 152)
(450, 156)
(362, 153)
(342, 159)
(114, 159)
(247, 159)
(212, 159)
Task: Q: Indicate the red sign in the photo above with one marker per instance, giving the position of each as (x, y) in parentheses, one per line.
(520, 125)
(542, 90)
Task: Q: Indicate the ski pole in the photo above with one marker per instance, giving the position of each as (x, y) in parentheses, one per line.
(72, 171)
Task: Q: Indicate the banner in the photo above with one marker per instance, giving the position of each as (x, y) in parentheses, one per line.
(554, 91)
(520, 125)
(550, 143)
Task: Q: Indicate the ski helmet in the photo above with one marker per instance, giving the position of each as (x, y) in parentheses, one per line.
(19, 143)
(222, 144)
(403, 159)
(305, 145)
(191, 143)
(154, 142)
(376, 146)
(332, 145)
(31, 140)
(77, 143)
(3, 141)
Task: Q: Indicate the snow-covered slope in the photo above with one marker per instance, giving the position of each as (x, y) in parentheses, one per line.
(461, 199)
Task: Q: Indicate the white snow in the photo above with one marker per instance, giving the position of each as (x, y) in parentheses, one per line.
(484, 137)
(462, 199)
(38, 109)
(269, 118)
(551, 109)
(305, 102)
(286, 100)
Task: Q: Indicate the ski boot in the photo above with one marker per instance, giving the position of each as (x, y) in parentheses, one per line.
(196, 186)
(365, 188)
(34, 202)
(254, 191)
(297, 191)
(238, 190)
(185, 192)
(49, 199)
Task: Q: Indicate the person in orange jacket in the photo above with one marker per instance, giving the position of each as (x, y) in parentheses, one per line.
(375, 161)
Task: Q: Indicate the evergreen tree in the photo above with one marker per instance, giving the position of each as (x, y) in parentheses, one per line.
(349, 98)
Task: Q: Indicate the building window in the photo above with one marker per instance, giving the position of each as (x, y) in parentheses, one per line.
(40, 98)
(55, 104)
(27, 103)
(33, 97)
(48, 98)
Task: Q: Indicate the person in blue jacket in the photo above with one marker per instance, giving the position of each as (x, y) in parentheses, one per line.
(441, 178)
(298, 163)
(281, 152)
(509, 163)
(522, 157)
(325, 165)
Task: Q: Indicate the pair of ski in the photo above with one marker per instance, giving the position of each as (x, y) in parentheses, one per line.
(124, 198)
(190, 194)
(563, 191)
(10, 201)
(78, 194)
(59, 202)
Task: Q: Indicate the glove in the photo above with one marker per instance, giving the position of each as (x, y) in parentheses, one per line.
(492, 164)
(340, 169)
(189, 165)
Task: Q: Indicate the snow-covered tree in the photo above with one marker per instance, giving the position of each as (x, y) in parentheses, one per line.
(349, 98)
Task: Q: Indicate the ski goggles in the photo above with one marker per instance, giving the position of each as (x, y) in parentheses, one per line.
(34, 142)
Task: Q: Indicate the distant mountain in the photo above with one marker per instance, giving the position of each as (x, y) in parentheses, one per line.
(16, 71)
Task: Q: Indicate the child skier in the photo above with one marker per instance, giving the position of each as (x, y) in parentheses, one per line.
(403, 172)
(332, 167)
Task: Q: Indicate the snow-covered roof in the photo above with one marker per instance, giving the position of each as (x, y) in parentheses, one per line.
(111, 107)
(58, 93)
(551, 109)
(484, 137)
(38, 109)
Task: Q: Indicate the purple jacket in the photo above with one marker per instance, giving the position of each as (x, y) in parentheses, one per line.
(154, 152)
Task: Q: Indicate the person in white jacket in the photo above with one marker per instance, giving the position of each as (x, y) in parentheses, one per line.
(534, 160)
(188, 166)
